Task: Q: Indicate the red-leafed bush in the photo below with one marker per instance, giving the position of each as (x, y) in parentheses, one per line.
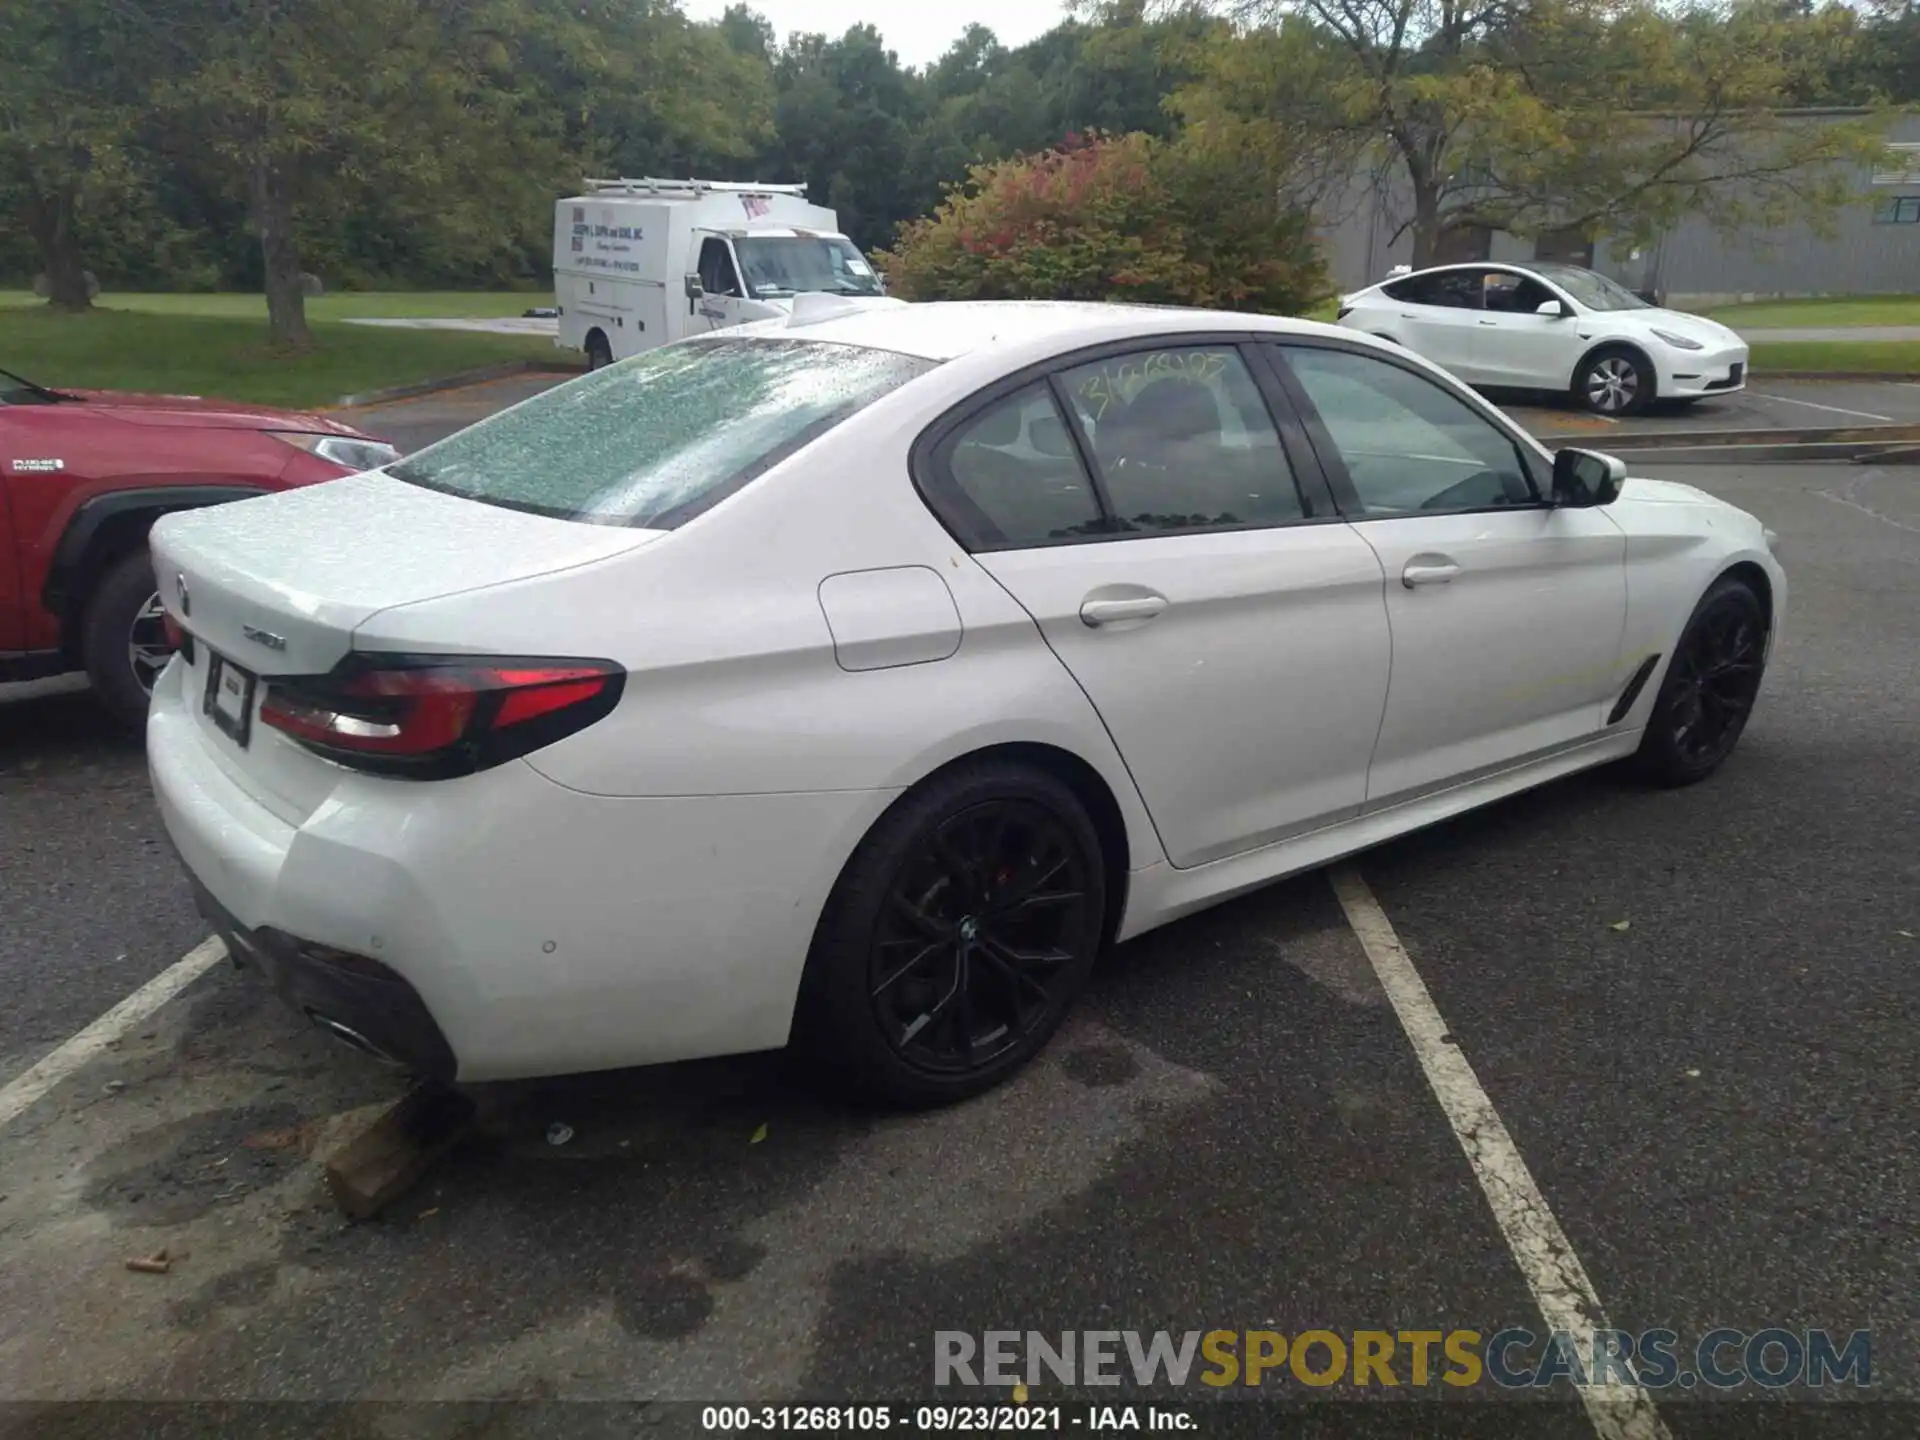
(1110, 217)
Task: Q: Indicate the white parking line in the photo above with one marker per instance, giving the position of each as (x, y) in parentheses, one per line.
(29, 1086)
(1553, 1272)
(1815, 405)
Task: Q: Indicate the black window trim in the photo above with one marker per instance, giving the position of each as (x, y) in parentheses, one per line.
(1535, 463)
(956, 511)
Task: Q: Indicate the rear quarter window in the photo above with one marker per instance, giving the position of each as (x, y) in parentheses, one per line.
(658, 438)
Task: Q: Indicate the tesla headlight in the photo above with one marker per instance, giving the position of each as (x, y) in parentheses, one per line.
(347, 451)
(1679, 342)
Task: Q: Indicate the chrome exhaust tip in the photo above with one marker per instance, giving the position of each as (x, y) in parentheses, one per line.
(352, 1038)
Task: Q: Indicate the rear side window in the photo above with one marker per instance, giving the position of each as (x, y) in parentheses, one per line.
(1016, 477)
(1450, 290)
(657, 439)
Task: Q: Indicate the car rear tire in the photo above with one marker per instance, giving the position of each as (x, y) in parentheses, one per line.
(955, 940)
(123, 641)
(1616, 381)
(1709, 689)
(599, 351)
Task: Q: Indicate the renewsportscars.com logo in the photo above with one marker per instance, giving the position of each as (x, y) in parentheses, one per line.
(1513, 1358)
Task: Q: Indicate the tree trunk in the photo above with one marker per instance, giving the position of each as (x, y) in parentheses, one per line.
(271, 209)
(1426, 222)
(51, 220)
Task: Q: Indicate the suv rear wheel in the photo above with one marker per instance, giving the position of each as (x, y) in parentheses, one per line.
(124, 641)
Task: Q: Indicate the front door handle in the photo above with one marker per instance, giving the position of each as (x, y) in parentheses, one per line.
(1111, 612)
(1489, 322)
(1428, 570)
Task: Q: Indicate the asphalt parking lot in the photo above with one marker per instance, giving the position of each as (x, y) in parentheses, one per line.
(1694, 1012)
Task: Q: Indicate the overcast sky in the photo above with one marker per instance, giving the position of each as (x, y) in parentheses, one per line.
(919, 30)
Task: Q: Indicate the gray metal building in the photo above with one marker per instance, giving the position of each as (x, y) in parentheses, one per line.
(1874, 247)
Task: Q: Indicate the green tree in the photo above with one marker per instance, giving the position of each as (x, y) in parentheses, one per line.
(1126, 217)
(844, 122)
(1526, 115)
(68, 81)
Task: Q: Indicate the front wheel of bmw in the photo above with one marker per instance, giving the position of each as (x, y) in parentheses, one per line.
(1709, 689)
(957, 938)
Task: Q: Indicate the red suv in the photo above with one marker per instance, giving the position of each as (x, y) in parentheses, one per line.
(84, 473)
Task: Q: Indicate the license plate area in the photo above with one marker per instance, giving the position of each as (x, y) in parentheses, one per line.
(229, 698)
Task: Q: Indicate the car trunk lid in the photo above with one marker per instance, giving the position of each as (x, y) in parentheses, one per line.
(277, 587)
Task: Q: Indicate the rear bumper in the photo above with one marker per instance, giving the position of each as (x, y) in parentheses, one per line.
(373, 1011)
(530, 929)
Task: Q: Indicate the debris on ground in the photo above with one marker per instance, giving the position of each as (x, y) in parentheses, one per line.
(157, 1263)
(559, 1133)
(1621, 925)
(758, 1136)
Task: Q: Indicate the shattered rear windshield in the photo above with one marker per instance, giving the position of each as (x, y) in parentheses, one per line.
(654, 440)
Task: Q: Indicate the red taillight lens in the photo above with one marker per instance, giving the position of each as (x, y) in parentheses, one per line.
(176, 637)
(431, 717)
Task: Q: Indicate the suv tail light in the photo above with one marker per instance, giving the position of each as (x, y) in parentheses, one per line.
(430, 717)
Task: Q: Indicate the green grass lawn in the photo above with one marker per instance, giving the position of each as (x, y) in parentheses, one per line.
(226, 355)
(1845, 310)
(423, 304)
(1878, 357)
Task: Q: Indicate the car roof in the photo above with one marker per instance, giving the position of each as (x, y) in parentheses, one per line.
(948, 329)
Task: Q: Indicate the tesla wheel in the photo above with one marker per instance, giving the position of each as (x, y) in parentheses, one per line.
(1614, 382)
(124, 642)
(599, 352)
(956, 939)
(1709, 689)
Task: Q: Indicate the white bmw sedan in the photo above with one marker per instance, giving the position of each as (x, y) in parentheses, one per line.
(853, 680)
(1552, 327)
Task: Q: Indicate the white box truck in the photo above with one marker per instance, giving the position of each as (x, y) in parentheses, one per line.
(640, 263)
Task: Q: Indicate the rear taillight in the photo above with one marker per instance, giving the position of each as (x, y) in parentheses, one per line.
(177, 637)
(429, 717)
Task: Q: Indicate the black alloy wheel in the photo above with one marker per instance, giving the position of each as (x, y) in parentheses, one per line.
(982, 922)
(957, 938)
(1710, 686)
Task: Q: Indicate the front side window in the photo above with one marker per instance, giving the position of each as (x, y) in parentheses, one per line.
(781, 265)
(1183, 440)
(1408, 446)
(1592, 289)
(660, 437)
(1514, 294)
(716, 268)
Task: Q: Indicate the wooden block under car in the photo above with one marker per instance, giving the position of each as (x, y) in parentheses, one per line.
(384, 1160)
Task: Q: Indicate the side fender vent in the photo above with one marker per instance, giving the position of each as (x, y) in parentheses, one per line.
(1632, 692)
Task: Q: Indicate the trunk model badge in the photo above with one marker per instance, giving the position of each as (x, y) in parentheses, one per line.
(180, 588)
(264, 637)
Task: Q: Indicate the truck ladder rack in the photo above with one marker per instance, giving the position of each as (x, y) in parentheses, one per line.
(650, 185)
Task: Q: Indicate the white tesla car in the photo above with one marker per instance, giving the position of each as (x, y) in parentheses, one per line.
(854, 679)
(1552, 327)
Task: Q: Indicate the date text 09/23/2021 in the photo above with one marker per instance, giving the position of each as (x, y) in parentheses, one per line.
(941, 1419)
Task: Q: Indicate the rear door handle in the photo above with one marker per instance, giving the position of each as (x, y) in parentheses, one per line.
(1111, 612)
(1489, 322)
(1428, 570)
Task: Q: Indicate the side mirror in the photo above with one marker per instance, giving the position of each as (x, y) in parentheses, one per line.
(1558, 309)
(1585, 478)
(694, 288)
